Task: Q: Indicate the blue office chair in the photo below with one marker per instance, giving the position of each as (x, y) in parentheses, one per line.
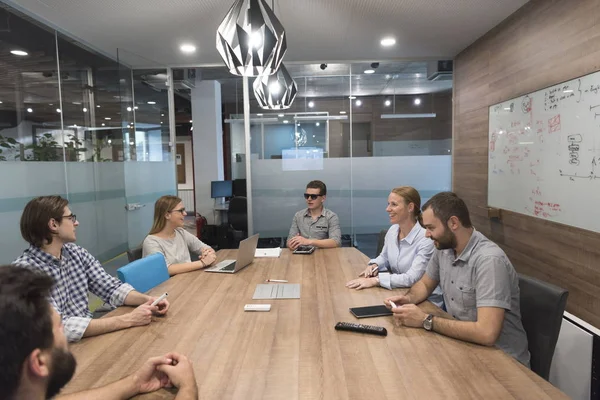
(145, 273)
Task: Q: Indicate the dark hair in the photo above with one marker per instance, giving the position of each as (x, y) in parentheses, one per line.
(410, 195)
(446, 205)
(26, 321)
(318, 185)
(36, 215)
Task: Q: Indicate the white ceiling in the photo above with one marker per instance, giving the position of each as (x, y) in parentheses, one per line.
(317, 30)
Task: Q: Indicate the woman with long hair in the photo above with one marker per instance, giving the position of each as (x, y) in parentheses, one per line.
(406, 252)
(169, 238)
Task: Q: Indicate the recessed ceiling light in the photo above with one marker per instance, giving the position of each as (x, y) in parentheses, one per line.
(162, 115)
(75, 102)
(388, 41)
(98, 106)
(358, 103)
(129, 108)
(342, 112)
(314, 135)
(311, 104)
(107, 118)
(191, 121)
(103, 124)
(298, 124)
(259, 115)
(30, 110)
(417, 101)
(187, 48)
(280, 115)
(131, 143)
(135, 108)
(351, 97)
(317, 124)
(58, 110)
(19, 53)
(151, 102)
(0, 102)
(161, 122)
(285, 121)
(84, 109)
(369, 71)
(109, 140)
(387, 103)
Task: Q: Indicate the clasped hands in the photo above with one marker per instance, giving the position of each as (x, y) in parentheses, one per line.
(208, 256)
(405, 312)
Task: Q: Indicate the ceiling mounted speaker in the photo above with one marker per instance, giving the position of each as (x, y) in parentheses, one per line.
(251, 40)
(277, 91)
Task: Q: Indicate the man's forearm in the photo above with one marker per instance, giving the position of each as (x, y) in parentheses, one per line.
(106, 325)
(463, 330)
(324, 243)
(418, 293)
(119, 390)
(135, 298)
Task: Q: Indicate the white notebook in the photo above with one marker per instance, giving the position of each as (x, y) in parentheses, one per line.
(278, 291)
(275, 252)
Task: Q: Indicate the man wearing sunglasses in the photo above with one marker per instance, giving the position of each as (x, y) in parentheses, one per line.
(316, 225)
(49, 226)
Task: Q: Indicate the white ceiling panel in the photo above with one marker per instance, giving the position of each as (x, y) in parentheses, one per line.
(317, 30)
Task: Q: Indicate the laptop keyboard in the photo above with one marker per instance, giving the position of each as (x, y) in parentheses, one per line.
(230, 267)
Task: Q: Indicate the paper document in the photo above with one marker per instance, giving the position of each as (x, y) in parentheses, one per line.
(276, 252)
(278, 291)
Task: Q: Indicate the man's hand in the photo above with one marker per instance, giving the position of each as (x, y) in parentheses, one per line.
(362, 283)
(180, 372)
(409, 315)
(371, 270)
(298, 240)
(142, 315)
(148, 378)
(208, 257)
(162, 306)
(398, 300)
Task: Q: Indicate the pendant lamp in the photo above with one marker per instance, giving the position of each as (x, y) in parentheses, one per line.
(277, 91)
(251, 40)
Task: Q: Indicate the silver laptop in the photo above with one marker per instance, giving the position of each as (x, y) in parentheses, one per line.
(245, 256)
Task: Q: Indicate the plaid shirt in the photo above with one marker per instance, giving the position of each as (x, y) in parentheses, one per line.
(75, 273)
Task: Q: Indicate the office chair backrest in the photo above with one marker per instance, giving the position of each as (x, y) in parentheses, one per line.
(238, 213)
(134, 254)
(381, 241)
(145, 273)
(239, 188)
(542, 308)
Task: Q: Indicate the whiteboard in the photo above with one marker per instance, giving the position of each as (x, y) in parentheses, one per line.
(544, 150)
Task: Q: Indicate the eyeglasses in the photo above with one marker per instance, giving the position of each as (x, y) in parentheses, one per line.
(312, 196)
(72, 217)
(181, 210)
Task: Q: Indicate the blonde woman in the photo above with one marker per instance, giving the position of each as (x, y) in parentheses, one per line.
(168, 237)
(406, 251)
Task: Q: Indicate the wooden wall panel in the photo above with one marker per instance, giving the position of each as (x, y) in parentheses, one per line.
(543, 43)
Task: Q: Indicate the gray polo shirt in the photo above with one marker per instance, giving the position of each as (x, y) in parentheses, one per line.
(326, 226)
(482, 276)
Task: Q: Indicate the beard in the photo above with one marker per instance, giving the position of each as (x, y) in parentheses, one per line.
(63, 368)
(446, 241)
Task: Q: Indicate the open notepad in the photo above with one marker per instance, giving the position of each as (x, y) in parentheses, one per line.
(278, 291)
(276, 252)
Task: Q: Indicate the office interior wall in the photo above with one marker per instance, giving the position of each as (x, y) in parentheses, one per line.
(543, 43)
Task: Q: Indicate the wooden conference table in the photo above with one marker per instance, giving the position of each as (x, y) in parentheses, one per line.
(293, 351)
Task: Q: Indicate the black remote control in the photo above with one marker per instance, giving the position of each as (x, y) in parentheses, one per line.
(349, 326)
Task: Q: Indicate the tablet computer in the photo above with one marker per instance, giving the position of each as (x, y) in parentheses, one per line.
(370, 311)
(304, 250)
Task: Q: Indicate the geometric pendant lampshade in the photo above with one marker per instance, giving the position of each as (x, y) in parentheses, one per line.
(251, 40)
(277, 91)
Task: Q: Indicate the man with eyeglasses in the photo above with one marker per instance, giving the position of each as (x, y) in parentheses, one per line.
(49, 226)
(316, 225)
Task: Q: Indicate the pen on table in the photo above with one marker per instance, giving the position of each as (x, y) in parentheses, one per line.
(161, 298)
(276, 280)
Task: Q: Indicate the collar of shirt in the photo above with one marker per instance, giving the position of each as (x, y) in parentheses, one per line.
(412, 235)
(468, 250)
(324, 212)
(47, 258)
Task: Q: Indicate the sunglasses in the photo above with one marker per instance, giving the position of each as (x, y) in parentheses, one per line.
(311, 196)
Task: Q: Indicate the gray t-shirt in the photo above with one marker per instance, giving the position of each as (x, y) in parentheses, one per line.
(482, 276)
(176, 250)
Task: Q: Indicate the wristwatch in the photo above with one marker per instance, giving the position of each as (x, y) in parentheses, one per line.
(428, 323)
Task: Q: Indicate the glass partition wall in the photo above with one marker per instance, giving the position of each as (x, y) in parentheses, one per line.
(361, 132)
(65, 129)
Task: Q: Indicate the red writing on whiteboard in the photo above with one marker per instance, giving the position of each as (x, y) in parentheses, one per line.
(546, 209)
(554, 124)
